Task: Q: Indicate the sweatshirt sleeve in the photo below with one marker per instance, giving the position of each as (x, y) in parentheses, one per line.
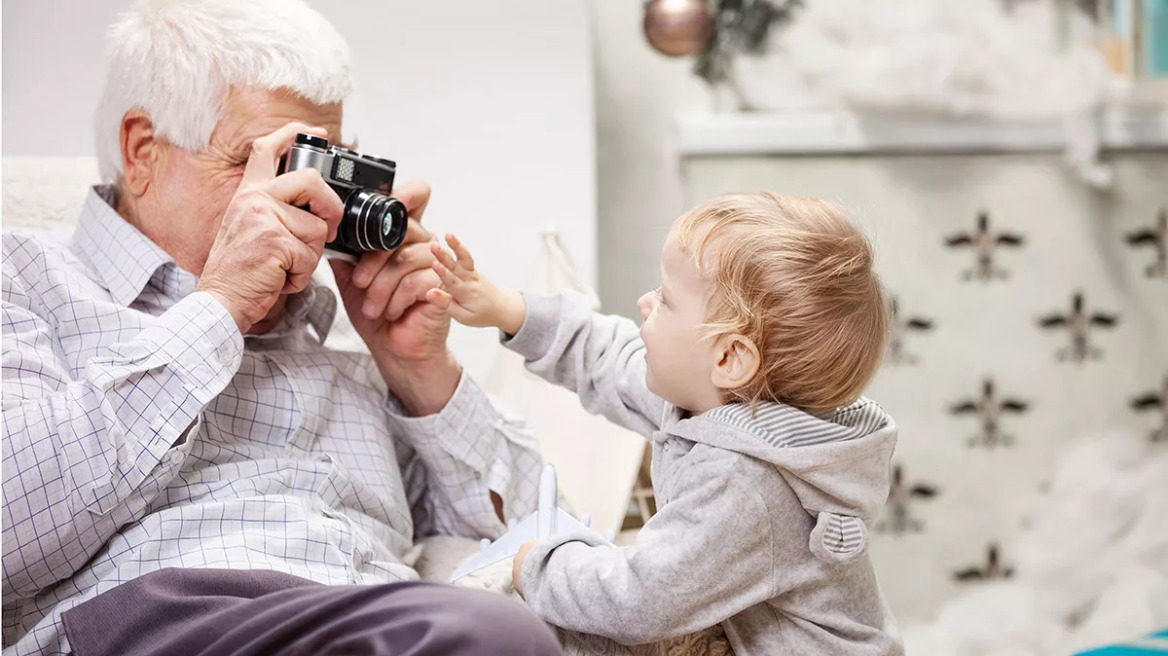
(707, 555)
(599, 357)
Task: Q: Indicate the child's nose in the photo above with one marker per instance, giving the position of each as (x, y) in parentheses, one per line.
(645, 304)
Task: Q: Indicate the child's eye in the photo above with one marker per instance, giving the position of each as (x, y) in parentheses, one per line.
(660, 294)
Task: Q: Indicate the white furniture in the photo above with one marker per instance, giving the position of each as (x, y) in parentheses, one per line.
(840, 133)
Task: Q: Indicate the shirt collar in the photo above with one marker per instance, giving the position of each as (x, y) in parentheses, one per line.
(123, 258)
(126, 261)
(322, 308)
(317, 304)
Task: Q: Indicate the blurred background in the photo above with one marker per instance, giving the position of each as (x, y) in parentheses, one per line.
(1009, 159)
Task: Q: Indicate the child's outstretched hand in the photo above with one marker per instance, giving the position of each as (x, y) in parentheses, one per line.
(468, 296)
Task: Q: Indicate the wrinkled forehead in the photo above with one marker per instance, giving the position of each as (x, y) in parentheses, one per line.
(250, 113)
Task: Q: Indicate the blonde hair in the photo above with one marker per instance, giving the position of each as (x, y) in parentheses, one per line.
(796, 277)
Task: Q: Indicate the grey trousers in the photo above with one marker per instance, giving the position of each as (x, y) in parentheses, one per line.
(209, 612)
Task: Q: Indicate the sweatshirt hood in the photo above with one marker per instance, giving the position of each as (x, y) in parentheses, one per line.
(837, 464)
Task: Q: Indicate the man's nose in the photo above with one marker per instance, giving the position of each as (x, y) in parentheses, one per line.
(645, 304)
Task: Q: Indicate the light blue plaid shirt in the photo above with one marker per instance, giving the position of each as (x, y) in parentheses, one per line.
(292, 459)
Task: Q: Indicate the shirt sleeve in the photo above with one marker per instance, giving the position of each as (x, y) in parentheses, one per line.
(452, 461)
(704, 557)
(599, 357)
(86, 450)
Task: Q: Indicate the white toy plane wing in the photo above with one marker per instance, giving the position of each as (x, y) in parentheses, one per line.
(546, 521)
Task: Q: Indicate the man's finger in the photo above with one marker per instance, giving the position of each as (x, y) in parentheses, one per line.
(378, 293)
(308, 228)
(303, 258)
(342, 272)
(444, 301)
(372, 262)
(306, 188)
(267, 151)
(406, 258)
(439, 298)
(413, 288)
(415, 195)
(415, 233)
(412, 256)
(301, 266)
(296, 283)
(351, 295)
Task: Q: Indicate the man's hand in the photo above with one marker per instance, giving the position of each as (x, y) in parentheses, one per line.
(467, 294)
(385, 296)
(517, 564)
(266, 245)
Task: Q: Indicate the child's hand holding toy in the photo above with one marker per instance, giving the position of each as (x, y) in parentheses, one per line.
(517, 564)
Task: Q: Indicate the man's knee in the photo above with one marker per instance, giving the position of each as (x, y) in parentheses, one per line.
(466, 621)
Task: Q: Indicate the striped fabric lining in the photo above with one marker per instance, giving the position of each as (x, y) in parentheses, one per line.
(784, 426)
(843, 534)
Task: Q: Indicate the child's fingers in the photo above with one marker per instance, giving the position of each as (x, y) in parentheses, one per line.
(464, 256)
(449, 280)
(443, 256)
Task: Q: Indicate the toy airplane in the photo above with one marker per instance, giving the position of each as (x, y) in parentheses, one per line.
(546, 521)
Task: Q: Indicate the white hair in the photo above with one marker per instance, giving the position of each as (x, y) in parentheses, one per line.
(176, 60)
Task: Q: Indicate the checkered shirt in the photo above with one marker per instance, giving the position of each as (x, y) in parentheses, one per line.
(142, 431)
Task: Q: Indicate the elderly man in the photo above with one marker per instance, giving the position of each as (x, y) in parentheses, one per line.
(187, 469)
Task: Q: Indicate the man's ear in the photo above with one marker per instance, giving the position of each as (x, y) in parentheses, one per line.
(140, 151)
(738, 362)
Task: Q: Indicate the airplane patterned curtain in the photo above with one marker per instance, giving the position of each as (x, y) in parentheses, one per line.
(1006, 346)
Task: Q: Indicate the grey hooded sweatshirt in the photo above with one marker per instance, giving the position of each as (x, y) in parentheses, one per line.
(762, 521)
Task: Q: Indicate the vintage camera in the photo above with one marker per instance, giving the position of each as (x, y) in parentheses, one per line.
(373, 221)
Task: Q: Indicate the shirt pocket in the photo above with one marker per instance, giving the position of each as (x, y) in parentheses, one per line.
(101, 490)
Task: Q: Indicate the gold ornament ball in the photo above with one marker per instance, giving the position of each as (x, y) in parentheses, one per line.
(678, 27)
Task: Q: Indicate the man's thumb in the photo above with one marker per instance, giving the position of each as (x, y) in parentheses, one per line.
(343, 272)
(433, 312)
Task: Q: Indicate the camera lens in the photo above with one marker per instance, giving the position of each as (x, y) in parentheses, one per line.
(373, 222)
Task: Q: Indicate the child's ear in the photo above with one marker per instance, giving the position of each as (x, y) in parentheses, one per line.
(738, 361)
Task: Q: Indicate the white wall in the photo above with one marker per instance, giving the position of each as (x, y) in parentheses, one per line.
(638, 91)
(490, 102)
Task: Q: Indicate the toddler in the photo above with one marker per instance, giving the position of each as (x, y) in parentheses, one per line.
(768, 466)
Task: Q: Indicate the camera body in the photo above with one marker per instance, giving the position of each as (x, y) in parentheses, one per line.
(372, 220)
